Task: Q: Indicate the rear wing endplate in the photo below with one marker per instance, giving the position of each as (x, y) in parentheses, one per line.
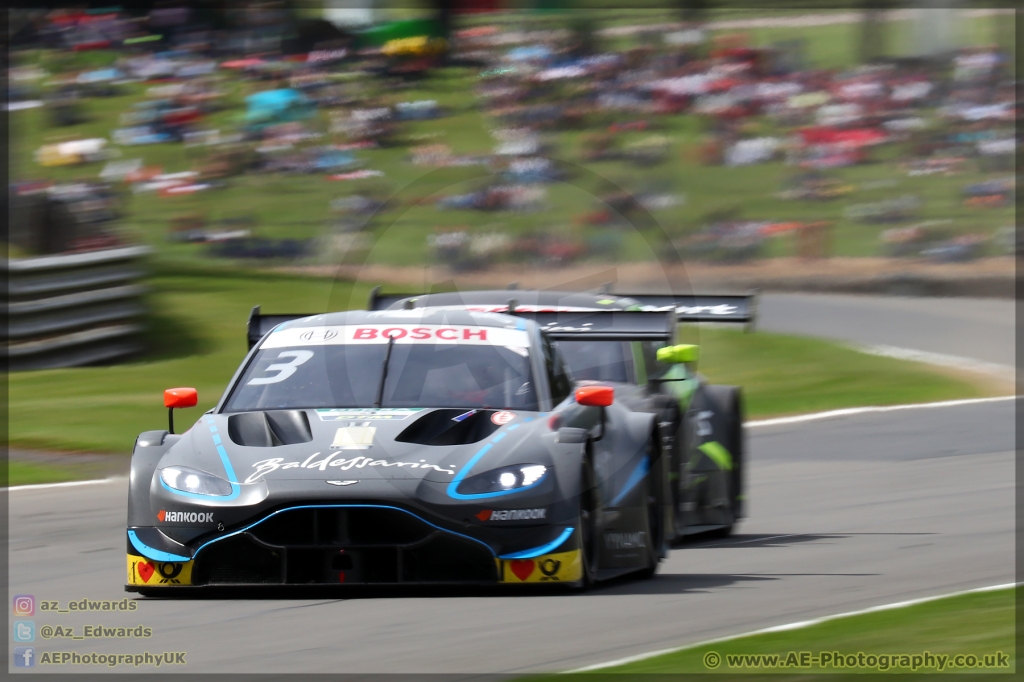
(259, 324)
(379, 301)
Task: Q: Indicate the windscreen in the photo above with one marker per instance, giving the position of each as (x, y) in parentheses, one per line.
(597, 360)
(427, 366)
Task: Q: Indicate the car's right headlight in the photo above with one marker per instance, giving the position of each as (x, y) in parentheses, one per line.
(189, 480)
(516, 477)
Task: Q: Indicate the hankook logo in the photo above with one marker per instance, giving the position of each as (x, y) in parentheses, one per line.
(184, 517)
(512, 514)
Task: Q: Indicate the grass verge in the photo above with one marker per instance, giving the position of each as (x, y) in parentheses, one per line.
(28, 473)
(979, 624)
(196, 338)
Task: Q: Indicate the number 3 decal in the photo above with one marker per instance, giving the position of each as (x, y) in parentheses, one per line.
(283, 369)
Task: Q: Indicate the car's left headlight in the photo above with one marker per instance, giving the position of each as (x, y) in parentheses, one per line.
(194, 481)
(517, 476)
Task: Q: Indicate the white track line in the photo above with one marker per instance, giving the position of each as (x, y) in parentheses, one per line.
(67, 484)
(789, 626)
(796, 419)
(939, 359)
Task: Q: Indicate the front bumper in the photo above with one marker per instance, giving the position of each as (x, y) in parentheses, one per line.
(366, 544)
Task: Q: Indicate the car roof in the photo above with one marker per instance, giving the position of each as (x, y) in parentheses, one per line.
(414, 316)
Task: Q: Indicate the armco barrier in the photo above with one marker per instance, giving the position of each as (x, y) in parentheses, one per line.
(73, 310)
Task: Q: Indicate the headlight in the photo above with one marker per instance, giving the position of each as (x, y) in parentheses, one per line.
(194, 481)
(506, 478)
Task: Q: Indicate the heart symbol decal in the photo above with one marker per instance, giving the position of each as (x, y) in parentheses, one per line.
(146, 569)
(522, 568)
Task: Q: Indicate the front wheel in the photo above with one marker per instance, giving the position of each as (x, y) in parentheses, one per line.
(589, 507)
(654, 534)
(729, 401)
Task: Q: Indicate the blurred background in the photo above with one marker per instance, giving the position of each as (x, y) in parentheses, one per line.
(174, 164)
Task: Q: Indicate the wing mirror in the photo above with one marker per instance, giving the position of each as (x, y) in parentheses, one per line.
(178, 397)
(595, 396)
(675, 355)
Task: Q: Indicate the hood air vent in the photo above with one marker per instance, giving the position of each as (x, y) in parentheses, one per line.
(269, 429)
(450, 427)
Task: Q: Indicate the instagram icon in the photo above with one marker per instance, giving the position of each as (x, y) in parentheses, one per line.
(24, 605)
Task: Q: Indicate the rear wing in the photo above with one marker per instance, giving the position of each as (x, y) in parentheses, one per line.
(606, 325)
(725, 308)
(259, 324)
(732, 308)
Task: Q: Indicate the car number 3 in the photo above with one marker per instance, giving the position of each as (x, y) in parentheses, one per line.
(283, 369)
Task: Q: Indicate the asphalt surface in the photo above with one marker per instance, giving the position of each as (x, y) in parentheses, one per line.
(979, 329)
(846, 513)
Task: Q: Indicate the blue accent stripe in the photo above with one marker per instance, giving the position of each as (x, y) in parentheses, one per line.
(638, 475)
(543, 549)
(341, 506)
(236, 490)
(453, 491)
(154, 554)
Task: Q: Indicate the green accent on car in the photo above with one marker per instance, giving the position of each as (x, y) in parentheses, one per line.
(639, 366)
(680, 385)
(606, 301)
(718, 454)
(696, 480)
(674, 355)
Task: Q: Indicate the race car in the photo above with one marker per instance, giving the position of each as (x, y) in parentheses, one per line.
(709, 419)
(413, 446)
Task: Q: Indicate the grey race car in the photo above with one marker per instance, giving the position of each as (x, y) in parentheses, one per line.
(424, 446)
(707, 474)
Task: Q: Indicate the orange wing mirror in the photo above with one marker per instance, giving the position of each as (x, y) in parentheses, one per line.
(595, 396)
(178, 397)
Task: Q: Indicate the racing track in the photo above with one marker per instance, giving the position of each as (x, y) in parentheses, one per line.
(846, 513)
(980, 329)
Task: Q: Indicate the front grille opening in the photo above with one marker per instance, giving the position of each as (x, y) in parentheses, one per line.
(341, 562)
(444, 558)
(239, 560)
(341, 527)
(329, 546)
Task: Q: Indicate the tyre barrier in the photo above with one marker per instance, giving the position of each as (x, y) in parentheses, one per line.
(74, 309)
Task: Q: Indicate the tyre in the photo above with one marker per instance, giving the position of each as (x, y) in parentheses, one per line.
(654, 534)
(727, 400)
(589, 507)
